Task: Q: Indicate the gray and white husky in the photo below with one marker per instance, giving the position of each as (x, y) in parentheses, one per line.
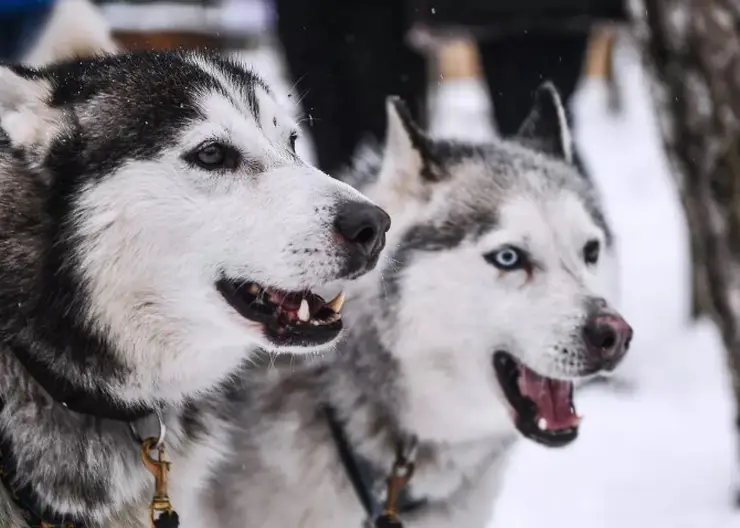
(493, 301)
(156, 229)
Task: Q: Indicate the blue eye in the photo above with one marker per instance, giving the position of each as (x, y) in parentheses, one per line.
(507, 258)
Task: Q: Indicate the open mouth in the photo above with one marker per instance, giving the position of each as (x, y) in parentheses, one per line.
(543, 407)
(289, 318)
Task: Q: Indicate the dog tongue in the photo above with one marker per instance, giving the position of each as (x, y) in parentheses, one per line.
(552, 398)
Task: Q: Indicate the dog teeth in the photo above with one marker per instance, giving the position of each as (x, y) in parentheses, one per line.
(253, 289)
(332, 318)
(337, 302)
(304, 314)
(542, 424)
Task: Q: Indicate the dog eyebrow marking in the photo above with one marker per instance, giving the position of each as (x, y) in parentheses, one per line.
(252, 103)
(236, 82)
(435, 237)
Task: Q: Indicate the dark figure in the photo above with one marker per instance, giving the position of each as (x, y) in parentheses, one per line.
(514, 67)
(21, 22)
(346, 57)
(522, 43)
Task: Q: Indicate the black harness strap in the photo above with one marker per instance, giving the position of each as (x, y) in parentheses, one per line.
(95, 402)
(358, 475)
(362, 474)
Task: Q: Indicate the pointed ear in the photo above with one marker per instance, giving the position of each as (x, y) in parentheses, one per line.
(546, 127)
(408, 160)
(25, 116)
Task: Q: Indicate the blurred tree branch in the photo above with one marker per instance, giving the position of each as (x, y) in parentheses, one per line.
(692, 50)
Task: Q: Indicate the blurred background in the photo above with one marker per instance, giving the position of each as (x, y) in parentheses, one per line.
(652, 91)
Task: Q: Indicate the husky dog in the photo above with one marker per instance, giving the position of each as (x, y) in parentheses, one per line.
(492, 302)
(156, 228)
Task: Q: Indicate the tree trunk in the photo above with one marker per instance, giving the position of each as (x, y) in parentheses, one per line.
(692, 49)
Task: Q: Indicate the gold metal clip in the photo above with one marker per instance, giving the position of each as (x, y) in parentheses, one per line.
(403, 470)
(160, 502)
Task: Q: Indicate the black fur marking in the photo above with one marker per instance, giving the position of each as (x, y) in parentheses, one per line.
(254, 106)
(56, 314)
(597, 215)
(450, 153)
(544, 129)
(417, 137)
(431, 166)
(192, 421)
(171, 84)
(41, 300)
(431, 238)
(237, 75)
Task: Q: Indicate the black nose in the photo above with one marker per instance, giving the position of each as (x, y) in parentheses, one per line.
(607, 336)
(600, 336)
(362, 228)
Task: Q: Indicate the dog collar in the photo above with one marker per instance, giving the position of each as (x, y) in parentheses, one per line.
(367, 480)
(93, 402)
(39, 516)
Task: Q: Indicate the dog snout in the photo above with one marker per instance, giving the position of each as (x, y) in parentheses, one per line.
(361, 228)
(607, 336)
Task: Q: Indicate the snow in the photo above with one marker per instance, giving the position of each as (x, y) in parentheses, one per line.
(658, 448)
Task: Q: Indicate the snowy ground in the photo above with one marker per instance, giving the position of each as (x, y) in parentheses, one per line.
(660, 453)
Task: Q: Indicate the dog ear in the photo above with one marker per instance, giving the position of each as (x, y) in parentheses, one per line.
(408, 160)
(546, 127)
(25, 116)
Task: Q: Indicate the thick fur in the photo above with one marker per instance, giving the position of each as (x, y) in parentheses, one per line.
(423, 329)
(110, 244)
